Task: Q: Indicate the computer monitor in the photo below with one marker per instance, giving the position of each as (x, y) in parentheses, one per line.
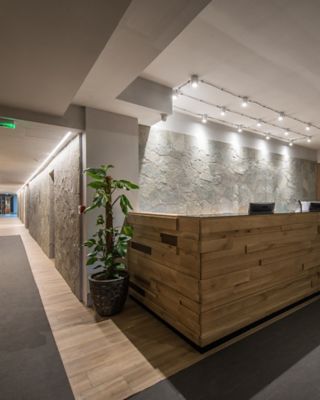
(314, 206)
(261, 208)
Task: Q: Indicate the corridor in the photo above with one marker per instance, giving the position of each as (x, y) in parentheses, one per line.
(159, 200)
(93, 351)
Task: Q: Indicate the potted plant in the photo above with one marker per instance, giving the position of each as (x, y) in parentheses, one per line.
(108, 245)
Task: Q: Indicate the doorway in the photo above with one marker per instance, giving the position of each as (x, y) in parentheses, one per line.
(8, 205)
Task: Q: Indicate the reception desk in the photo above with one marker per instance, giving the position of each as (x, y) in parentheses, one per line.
(210, 276)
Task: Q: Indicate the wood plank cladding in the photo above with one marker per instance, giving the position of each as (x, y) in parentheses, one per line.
(210, 276)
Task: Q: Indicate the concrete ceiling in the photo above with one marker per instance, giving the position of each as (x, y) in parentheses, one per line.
(48, 47)
(22, 151)
(266, 50)
(51, 49)
(146, 29)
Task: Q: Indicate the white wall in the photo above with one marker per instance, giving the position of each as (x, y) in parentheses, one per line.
(111, 139)
(190, 125)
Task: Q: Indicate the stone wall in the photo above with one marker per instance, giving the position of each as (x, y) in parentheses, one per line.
(40, 214)
(54, 196)
(66, 217)
(180, 173)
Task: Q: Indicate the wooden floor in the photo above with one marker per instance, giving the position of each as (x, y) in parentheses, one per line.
(108, 359)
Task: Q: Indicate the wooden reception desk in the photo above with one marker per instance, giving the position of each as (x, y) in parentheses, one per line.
(209, 276)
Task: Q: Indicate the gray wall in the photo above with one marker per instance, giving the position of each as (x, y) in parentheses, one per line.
(110, 139)
(40, 214)
(53, 213)
(185, 173)
(67, 220)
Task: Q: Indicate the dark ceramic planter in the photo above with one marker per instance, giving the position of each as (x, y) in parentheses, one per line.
(109, 296)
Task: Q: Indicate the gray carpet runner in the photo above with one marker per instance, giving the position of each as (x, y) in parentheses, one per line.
(30, 364)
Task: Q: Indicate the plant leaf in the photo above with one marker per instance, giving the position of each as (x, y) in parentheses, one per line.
(98, 184)
(91, 260)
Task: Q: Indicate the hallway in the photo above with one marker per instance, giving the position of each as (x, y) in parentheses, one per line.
(93, 353)
(132, 351)
(160, 200)
(28, 352)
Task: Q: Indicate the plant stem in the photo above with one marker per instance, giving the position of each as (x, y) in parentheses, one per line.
(109, 223)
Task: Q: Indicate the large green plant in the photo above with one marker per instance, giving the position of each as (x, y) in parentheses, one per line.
(108, 245)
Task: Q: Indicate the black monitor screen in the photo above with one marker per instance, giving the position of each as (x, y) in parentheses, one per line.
(261, 208)
(314, 207)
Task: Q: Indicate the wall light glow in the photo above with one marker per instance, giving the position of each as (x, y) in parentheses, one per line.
(51, 155)
(285, 153)
(264, 148)
(201, 138)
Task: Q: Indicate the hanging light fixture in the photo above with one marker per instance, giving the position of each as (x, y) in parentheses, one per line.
(204, 118)
(309, 139)
(223, 111)
(267, 136)
(175, 94)
(286, 132)
(244, 102)
(291, 143)
(239, 128)
(259, 123)
(194, 80)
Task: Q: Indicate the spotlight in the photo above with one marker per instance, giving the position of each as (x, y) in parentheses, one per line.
(204, 118)
(286, 132)
(309, 139)
(268, 136)
(244, 102)
(291, 143)
(239, 128)
(175, 94)
(259, 123)
(223, 111)
(194, 80)
(281, 116)
(163, 117)
(308, 127)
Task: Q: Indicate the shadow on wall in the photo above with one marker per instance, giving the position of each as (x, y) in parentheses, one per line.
(144, 132)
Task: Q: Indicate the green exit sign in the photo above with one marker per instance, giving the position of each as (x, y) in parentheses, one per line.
(7, 123)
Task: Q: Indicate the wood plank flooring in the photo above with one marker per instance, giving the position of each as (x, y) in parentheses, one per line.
(107, 359)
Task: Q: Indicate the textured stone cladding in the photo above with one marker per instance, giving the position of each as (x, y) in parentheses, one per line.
(186, 174)
(67, 220)
(53, 213)
(39, 212)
